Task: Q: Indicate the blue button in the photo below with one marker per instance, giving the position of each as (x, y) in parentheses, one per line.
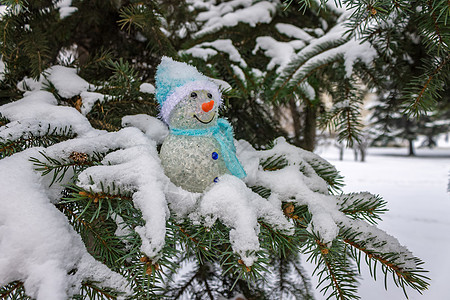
(216, 179)
(215, 155)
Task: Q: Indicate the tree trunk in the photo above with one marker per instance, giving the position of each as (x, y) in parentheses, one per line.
(341, 153)
(296, 120)
(309, 128)
(355, 152)
(363, 153)
(411, 148)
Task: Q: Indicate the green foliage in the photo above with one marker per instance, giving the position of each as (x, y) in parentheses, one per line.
(44, 136)
(296, 73)
(3, 120)
(146, 19)
(328, 173)
(345, 116)
(390, 262)
(90, 291)
(315, 68)
(122, 97)
(424, 91)
(333, 266)
(13, 291)
(388, 21)
(76, 162)
(363, 208)
(274, 163)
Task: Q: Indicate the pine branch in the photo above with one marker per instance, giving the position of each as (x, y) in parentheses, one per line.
(123, 97)
(405, 268)
(306, 291)
(204, 247)
(295, 73)
(274, 163)
(362, 206)
(35, 138)
(147, 18)
(434, 18)
(96, 229)
(279, 243)
(95, 217)
(430, 84)
(344, 116)
(3, 120)
(333, 268)
(90, 291)
(287, 279)
(183, 288)
(76, 161)
(327, 172)
(13, 291)
(262, 191)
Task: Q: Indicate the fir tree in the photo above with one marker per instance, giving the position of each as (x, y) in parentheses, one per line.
(105, 221)
(406, 62)
(411, 39)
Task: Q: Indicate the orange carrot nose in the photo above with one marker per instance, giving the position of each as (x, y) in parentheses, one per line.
(207, 106)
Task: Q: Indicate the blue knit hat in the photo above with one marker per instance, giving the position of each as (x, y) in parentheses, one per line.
(175, 80)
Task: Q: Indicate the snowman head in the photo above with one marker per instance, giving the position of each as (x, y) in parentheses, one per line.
(187, 98)
(195, 111)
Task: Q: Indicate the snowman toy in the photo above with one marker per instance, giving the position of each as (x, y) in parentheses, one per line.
(200, 146)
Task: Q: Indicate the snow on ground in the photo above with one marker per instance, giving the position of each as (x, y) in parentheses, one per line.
(415, 189)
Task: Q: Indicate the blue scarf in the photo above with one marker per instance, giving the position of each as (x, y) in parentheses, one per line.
(223, 133)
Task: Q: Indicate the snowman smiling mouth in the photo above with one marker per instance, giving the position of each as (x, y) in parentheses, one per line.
(205, 122)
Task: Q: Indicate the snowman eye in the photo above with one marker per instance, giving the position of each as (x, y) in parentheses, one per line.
(209, 95)
(193, 95)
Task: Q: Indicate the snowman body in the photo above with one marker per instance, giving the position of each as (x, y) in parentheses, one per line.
(192, 162)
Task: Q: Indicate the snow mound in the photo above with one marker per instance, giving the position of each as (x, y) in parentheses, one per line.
(37, 245)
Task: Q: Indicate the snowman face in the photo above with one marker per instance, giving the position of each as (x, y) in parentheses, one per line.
(195, 111)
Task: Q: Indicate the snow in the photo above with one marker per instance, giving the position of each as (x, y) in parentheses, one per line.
(233, 203)
(64, 79)
(136, 169)
(51, 248)
(37, 245)
(306, 188)
(147, 88)
(2, 69)
(223, 85)
(355, 50)
(281, 53)
(351, 51)
(155, 129)
(41, 108)
(239, 73)
(419, 209)
(308, 90)
(88, 100)
(303, 44)
(293, 31)
(3, 10)
(203, 51)
(65, 8)
(225, 15)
